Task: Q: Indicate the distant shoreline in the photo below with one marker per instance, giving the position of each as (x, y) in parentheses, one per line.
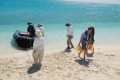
(87, 2)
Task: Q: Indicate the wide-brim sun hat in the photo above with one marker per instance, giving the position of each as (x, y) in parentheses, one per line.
(67, 24)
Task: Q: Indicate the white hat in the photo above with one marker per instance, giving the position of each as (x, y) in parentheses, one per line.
(39, 25)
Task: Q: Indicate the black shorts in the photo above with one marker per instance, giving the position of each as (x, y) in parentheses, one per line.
(84, 46)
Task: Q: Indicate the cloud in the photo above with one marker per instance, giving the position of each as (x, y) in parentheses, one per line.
(96, 1)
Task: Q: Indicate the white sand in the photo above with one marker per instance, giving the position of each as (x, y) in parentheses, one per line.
(60, 65)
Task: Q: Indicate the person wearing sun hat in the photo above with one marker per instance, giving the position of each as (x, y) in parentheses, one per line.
(69, 35)
(38, 47)
(41, 28)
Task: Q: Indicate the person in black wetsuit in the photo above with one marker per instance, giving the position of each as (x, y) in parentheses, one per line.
(31, 29)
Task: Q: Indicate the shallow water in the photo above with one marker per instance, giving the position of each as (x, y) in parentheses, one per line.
(15, 14)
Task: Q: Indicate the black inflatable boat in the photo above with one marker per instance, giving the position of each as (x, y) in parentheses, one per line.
(23, 40)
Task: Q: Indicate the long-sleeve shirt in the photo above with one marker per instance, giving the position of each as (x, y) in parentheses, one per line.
(41, 30)
(38, 42)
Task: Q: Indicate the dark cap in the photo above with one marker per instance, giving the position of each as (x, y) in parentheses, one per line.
(29, 23)
(67, 24)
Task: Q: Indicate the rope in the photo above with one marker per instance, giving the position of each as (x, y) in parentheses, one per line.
(27, 53)
(29, 57)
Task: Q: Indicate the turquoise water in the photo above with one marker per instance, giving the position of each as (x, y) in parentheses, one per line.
(53, 14)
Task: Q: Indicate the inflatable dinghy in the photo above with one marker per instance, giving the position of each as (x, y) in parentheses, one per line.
(22, 39)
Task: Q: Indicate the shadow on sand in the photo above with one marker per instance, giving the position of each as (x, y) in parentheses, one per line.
(90, 55)
(84, 62)
(67, 50)
(33, 69)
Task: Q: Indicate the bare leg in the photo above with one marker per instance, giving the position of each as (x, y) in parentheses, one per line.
(72, 45)
(80, 53)
(85, 52)
(93, 50)
(68, 42)
(71, 42)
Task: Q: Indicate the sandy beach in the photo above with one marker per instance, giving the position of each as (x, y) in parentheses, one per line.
(63, 65)
(59, 63)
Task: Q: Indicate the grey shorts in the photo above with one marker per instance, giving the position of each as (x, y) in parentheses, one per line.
(70, 37)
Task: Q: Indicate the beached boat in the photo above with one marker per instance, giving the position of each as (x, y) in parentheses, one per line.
(22, 39)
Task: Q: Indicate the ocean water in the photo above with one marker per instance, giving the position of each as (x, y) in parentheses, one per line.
(53, 14)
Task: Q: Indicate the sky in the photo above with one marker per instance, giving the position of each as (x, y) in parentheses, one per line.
(97, 1)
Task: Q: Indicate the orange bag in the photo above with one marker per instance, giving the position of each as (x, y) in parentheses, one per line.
(79, 48)
(90, 47)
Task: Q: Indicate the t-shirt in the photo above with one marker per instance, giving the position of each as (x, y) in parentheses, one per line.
(70, 31)
(41, 30)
